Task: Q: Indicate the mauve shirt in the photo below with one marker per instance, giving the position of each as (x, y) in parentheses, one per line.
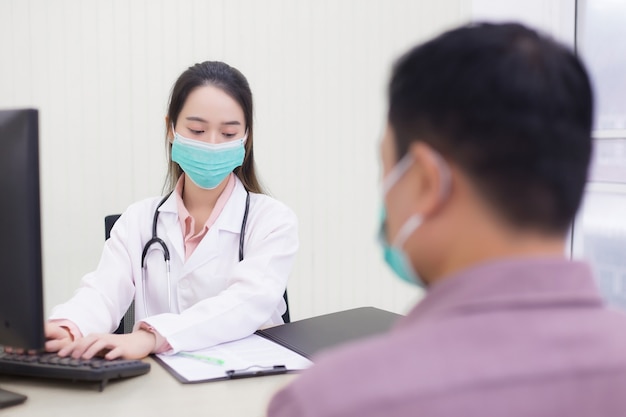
(516, 337)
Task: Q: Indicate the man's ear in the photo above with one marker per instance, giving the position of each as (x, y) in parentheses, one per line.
(433, 177)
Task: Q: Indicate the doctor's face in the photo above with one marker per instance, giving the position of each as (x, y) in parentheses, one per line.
(210, 115)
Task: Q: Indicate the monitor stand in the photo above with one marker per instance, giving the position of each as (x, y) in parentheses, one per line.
(8, 398)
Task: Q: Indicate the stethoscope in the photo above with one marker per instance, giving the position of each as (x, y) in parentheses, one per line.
(166, 252)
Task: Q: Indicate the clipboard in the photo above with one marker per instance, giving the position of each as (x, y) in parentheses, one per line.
(249, 357)
(281, 349)
(9, 398)
(309, 336)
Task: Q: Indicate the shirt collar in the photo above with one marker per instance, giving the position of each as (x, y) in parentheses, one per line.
(232, 211)
(183, 213)
(232, 214)
(508, 283)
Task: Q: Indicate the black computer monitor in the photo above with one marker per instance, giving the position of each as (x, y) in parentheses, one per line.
(21, 292)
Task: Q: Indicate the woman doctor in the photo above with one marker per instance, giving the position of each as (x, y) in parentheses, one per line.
(206, 295)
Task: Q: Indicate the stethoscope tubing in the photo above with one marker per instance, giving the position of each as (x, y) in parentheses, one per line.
(166, 252)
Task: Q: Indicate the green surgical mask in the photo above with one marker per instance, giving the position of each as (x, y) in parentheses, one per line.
(394, 255)
(207, 164)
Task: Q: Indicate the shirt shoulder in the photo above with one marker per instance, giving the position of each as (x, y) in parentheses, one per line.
(355, 380)
(141, 206)
(429, 364)
(270, 211)
(137, 215)
(266, 202)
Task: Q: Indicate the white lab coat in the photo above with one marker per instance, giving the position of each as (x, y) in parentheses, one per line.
(214, 297)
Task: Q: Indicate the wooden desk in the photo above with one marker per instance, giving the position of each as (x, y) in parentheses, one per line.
(154, 394)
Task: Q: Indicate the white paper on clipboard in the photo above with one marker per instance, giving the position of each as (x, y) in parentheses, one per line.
(252, 352)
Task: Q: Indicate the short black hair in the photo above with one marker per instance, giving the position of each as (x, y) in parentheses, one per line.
(513, 109)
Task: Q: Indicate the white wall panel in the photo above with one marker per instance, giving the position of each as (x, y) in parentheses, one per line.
(555, 17)
(100, 73)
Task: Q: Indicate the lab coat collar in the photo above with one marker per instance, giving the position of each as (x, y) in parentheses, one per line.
(168, 218)
(229, 220)
(232, 213)
(169, 206)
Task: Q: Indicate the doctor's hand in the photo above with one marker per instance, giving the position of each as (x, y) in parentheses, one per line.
(135, 345)
(57, 336)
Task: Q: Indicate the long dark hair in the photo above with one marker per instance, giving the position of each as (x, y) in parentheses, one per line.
(233, 83)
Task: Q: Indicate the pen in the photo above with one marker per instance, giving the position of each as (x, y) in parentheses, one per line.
(247, 373)
(203, 358)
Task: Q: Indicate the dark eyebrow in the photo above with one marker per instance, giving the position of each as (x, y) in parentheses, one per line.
(196, 119)
(200, 119)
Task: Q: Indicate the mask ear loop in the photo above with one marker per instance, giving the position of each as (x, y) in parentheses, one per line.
(416, 220)
(407, 230)
(396, 173)
(392, 178)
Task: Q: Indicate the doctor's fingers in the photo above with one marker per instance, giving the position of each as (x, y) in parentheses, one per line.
(135, 345)
(85, 346)
(100, 346)
(116, 352)
(72, 347)
(54, 331)
(57, 337)
(57, 345)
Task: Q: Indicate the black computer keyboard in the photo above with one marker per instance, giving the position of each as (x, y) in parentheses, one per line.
(50, 365)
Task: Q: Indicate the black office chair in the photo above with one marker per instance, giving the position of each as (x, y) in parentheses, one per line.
(128, 321)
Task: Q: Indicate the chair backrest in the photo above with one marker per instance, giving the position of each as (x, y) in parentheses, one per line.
(128, 321)
(109, 221)
(286, 317)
